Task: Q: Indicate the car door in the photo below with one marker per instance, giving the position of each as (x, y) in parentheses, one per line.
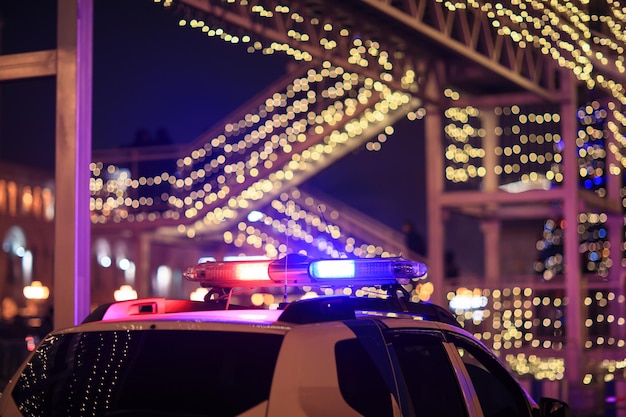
(334, 369)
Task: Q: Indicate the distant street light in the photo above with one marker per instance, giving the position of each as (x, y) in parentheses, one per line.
(126, 292)
(36, 291)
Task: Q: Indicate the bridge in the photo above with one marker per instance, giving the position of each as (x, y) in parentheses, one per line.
(520, 96)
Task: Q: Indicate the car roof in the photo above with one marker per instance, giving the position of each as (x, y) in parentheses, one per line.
(313, 310)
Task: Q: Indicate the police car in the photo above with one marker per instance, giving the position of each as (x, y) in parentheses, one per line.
(322, 356)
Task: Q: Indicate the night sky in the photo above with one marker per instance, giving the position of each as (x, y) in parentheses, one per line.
(149, 73)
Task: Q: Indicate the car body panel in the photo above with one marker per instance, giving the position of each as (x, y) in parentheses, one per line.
(319, 366)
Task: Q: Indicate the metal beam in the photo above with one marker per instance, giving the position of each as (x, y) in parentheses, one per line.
(516, 212)
(518, 59)
(575, 282)
(72, 240)
(501, 100)
(479, 198)
(465, 199)
(28, 65)
(594, 201)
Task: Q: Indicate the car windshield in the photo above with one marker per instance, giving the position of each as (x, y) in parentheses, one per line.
(148, 372)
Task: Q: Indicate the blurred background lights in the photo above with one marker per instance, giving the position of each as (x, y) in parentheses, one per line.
(36, 291)
(123, 264)
(198, 294)
(125, 292)
(255, 216)
(105, 261)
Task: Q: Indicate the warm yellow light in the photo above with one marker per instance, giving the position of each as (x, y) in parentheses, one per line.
(36, 291)
(125, 292)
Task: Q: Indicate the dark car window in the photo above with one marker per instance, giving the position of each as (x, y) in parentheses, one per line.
(428, 374)
(360, 382)
(160, 372)
(498, 393)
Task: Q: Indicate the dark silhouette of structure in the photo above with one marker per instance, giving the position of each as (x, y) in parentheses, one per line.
(412, 239)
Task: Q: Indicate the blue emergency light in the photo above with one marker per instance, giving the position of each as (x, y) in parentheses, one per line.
(298, 270)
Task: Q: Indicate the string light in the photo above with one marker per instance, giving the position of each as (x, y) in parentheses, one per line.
(513, 318)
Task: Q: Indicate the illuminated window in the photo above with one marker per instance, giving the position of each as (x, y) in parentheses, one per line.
(12, 198)
(48, 203)
(37, 202)
(27, 199)
(3, 197)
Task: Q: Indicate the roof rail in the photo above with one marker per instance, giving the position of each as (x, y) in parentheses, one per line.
(320, 309)
(312, 310)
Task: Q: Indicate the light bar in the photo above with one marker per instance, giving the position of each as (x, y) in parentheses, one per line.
(343, 268)
(230, 274)
(299, 270)
(394, 270)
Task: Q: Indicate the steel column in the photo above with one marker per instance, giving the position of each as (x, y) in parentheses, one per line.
(574, 285)
(73, 156)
